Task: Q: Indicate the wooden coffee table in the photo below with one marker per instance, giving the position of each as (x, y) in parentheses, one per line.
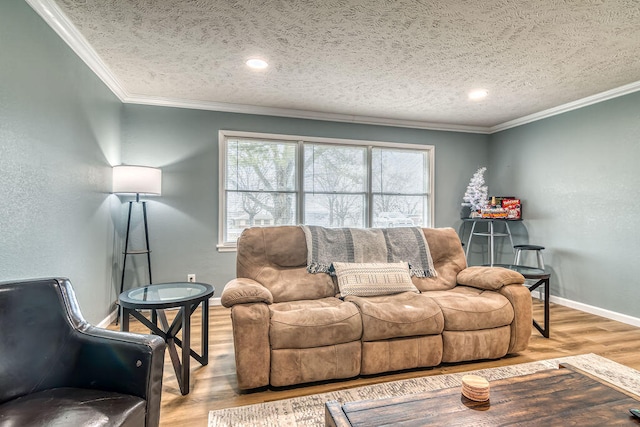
(564, 396)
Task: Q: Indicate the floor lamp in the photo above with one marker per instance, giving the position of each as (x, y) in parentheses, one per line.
(137, 180)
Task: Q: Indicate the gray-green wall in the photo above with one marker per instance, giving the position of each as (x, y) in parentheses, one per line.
(59, 130)
(184, 143)
(577, 174)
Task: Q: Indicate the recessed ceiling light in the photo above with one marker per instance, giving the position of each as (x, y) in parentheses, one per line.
(478, 94)
(257, 64)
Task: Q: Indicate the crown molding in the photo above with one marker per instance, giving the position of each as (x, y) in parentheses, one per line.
(299, 114)
(584, 102)
(57, 20)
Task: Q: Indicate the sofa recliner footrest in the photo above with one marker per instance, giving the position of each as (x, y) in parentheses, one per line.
(401, 353)
(303, 365)
(462, 346)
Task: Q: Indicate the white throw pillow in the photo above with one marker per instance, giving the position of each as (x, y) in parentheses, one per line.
(371, 279)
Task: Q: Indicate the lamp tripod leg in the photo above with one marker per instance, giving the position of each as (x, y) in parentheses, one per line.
(146, 237)
(124, 262)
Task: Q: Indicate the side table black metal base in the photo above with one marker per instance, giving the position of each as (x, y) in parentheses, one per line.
(187, 306)
(542, 281)
(542, 277)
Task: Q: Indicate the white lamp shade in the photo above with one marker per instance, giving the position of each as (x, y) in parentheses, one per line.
(137, 180)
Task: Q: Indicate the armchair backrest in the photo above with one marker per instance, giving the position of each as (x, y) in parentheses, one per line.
(448, 259)
(277, 258)
(35, 338)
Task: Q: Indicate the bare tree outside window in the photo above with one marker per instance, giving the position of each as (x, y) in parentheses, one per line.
(261, 182)
(336, 185)
(399, 185)
(335, 180)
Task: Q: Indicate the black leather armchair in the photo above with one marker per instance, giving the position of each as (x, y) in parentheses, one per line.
(58, 370)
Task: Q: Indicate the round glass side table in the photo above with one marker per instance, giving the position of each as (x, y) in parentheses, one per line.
(186, 296)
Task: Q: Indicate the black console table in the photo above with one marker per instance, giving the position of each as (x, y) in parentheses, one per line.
(489, 233)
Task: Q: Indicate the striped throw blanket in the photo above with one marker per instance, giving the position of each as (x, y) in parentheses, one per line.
(328, 245)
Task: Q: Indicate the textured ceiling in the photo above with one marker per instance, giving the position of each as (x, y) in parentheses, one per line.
(412, 60)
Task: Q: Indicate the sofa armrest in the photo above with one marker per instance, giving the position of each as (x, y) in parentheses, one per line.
(520, 298)
(245, 291)
(252, 346)
(489, 278)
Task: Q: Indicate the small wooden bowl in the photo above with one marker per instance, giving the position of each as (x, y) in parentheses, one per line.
(475, 388)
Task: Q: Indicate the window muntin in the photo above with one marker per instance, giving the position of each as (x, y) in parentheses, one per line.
(287, 180)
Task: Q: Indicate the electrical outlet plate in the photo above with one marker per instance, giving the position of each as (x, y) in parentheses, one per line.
(191, 277)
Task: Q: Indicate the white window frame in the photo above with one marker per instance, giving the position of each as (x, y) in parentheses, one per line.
(223, 135)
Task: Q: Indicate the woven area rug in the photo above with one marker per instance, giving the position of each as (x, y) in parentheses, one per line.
(309, 410)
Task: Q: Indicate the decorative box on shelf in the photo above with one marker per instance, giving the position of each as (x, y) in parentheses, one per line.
(493, 212)
(506, 207)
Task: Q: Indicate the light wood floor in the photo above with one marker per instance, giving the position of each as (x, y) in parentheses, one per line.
(214, 386)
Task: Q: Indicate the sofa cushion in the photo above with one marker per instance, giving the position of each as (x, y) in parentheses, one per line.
(470, 309)
(400, 315)
(374, 278)
(68, 406)
(313, 323)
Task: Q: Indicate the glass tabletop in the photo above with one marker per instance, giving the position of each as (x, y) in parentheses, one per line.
(167, 294)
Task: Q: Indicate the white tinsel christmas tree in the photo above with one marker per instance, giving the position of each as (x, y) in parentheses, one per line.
(477, 193)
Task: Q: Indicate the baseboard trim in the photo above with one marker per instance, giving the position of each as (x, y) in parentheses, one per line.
(623, 318)
(109, 319)
(608, 314)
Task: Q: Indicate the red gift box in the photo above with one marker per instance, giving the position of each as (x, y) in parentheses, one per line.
(513, 207)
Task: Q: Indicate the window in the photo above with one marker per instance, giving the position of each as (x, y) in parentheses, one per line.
(335, 185)
(400, 187)
(260, 184)
(287, 180)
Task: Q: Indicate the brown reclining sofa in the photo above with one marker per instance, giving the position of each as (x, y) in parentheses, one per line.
(291, 327)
